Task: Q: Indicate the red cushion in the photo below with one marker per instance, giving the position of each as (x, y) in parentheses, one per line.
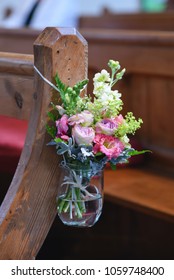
(12, 138)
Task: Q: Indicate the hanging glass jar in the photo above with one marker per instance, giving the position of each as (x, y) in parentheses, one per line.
(80, 195)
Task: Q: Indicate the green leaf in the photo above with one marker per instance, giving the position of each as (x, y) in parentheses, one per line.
(113, 166)
(61, 86)
(99, 154)
(51, 116)
(80, 85)
(58, 140)
(51, 130)
(135, 152)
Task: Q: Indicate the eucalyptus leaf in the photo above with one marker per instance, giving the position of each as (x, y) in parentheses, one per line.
(51, 143)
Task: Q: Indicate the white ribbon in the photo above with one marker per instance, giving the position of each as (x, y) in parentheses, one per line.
(47, 81)
(76, 182)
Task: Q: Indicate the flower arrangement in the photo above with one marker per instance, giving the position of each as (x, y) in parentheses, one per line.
(90, 132)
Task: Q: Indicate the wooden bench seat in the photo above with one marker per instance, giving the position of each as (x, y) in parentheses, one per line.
(141, 189)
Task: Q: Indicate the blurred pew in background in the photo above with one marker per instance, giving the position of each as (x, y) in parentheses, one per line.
(130, 21)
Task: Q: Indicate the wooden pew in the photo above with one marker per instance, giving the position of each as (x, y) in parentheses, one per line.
(170, 5)
(18, 40)
(147, 90)
(28, 209)
(133, 21)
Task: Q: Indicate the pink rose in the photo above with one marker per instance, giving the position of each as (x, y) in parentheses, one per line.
(85, 118)
(108, 145)
(62, 127)
(83, 135)
(108, 126)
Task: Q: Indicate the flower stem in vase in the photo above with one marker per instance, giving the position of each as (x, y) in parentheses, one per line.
(79, 204)
(72, 202)
(63, 203)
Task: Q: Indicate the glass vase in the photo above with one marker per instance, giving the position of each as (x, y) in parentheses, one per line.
(80, 196)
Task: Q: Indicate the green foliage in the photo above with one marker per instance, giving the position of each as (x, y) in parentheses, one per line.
(113, 166)
(124, 157)
(135, 152)
(70, 96)
(58, 140)
(52, 116)
(51, 130)
(80, 85)
(59, 84)
(132, 123)
(115, 67)
(61, 87)
(129, 126)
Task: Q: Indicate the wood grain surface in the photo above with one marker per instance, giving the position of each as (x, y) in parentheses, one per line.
(29, 207)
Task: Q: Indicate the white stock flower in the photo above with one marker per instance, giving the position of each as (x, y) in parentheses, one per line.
(104, 76)
(101, 88)
(125, 140)
(116, 94)
(104, 97)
